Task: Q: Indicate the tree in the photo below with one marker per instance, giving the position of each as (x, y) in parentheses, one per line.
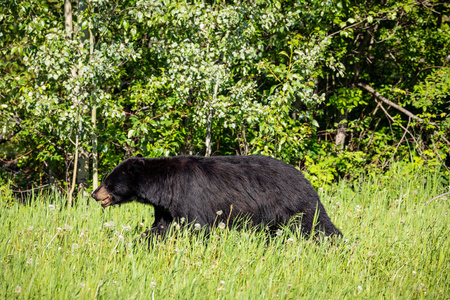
(335, 87)
(225, 70)
(69, 79)
(387, 49)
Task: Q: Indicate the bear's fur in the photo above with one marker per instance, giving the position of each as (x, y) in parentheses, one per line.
(262, 189)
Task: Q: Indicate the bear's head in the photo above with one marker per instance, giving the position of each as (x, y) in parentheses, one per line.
(121, 185)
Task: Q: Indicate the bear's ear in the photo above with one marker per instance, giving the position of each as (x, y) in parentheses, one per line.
(136, 164)
(139, 155)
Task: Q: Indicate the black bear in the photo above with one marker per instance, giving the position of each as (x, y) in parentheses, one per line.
(209, 190)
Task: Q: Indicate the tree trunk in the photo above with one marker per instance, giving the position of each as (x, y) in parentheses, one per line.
(68, 18)
(83, 169)
(75, 167)
(51, 175)
(209, 121)
(94, 124)
(208, 133)
(69, 30)
(94, 149)
(341, 130)
(81, 166)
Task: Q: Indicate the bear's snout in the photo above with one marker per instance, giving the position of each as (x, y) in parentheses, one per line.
(102, 194)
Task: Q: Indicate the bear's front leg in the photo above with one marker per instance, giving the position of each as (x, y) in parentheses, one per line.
(163, 218)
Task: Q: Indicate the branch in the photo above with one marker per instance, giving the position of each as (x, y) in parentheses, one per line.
(32, 189)
(10, 161)
(362, 21)
(100, 35)
(429, 201)
(401, 140)
(394, 121)
(390, 103)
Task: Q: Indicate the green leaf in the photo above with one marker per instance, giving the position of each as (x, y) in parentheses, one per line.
(125, 24)
(130, 133)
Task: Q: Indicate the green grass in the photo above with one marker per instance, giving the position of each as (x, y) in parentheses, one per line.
(396, 247)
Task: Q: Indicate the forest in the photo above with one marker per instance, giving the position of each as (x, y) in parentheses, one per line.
(335, 88)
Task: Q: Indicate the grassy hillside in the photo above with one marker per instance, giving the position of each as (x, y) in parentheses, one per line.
(396, 247)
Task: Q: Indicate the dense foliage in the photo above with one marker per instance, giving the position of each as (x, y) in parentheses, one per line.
(334, 87)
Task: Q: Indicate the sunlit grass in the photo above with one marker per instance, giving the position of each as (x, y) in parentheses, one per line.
(395, 247)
